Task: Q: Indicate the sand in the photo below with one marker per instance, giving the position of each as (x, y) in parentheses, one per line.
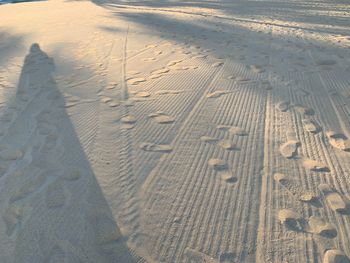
(175, 131)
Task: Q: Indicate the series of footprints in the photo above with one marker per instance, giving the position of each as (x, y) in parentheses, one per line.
(171, 66)
(334, 200)
(218, 165)
(39, 176)
(160, 117)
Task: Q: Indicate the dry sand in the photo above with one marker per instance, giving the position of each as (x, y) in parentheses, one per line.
(175, 131)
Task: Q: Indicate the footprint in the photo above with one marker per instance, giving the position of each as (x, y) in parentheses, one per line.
(237, 131)
(155, 76)
(189, 67)
(151, 45)
(217, 164)
(257, 68)
(152, 147)
(155, 114)
(135, 81)
(308, 197)
(129, 119)
(49, 144)
(53, 95)
(12, 218)
(143, 94)
(162, 118)
(265, 84)
(7, 116)
(321, 227)
(113, 104)
(335, 256)
(200, 56)
(217, 64)
(283, 106)
(228, 177)
(242, 79)
(208, 139)
(29, 187)
(70, 104)
(315, 166)
(73, 173)
(333, 198)
(106, 99)
(11, 154)
(3, 168)
(160, 71)
(45, 128)
(198, 257)
(166, 92)
(304, 110)
(287, 182)
(128, 103)
(55, 196)
(133, 73)
(185, 67)
(148, 59)
(217, 93)
(291, 135)
(227, 144)
(303, 92)
(174, 62)
(290, 219)
(338, 140)
(106, 231)
(289, 149)
(311, 126)
(223, 127)
(157, 52)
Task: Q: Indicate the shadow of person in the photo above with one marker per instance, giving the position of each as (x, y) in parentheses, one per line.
(56, 211)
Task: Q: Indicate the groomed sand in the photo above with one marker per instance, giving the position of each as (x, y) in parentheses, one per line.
(175, 131)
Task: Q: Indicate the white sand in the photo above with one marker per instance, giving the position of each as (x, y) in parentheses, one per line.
(175, 131)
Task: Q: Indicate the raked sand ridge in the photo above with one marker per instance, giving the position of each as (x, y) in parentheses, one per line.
(175, 131)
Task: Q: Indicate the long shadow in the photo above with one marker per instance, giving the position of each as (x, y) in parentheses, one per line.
(9, 43)
(52, 206)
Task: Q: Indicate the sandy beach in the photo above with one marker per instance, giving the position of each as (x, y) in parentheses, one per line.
(148, 131)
